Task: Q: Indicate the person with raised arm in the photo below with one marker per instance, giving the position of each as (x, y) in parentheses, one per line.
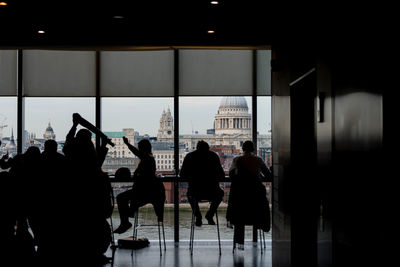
(147, 188)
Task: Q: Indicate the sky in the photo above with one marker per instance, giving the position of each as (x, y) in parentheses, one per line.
(141, 114)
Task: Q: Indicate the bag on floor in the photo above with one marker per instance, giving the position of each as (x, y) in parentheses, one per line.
(131, 243)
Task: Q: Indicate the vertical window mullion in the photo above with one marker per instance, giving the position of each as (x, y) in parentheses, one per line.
(176, 145)
(98, 97)
(20, 103)
(254, 116)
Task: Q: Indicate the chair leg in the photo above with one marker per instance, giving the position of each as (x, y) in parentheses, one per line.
(219, 238)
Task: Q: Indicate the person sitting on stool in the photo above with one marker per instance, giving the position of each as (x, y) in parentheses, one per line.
(202, 168)
(147, 188)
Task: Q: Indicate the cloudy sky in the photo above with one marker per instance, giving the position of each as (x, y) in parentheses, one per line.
(142, 114)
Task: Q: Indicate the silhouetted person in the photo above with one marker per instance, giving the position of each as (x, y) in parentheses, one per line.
(23, 168)
(147, 188)
(8, 218)
(202, 168)
(248, 203)
(123, 174)
(50, 205)
(90, 200)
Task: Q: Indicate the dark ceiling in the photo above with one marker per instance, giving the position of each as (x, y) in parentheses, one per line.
(179, 22)
(118, 22)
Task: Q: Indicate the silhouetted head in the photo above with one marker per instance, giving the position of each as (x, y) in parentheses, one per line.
(32, 152)
(248, 146)
(84, 135)
(123, 173)
(144, 146)
(202, 146)
(50, 146)
(85, 149)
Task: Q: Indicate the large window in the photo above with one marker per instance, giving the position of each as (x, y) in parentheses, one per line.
(8, 102)
(8, 126)
(136, 119)
(51, 118)
(136, 90)
(224, 123)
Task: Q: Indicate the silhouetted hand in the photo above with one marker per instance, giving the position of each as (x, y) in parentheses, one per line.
(125, 140)
(75, 118)
(105, 141)
(5, 156)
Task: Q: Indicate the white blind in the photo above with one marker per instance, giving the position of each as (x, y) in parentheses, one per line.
(137, 73)
(215, 72)
(8, 72)
(59, 73)
(264, 72)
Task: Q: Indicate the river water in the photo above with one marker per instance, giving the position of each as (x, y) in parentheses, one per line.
(205, 232)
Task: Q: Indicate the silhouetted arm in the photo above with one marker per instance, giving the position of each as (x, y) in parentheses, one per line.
(5, 164)
(220, 173)
(183, 173)
(265, 171)
(70, 137)
(102, 152)
(132, 148)
(233, 168)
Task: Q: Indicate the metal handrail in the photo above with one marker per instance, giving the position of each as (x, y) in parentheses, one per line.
(168, 178)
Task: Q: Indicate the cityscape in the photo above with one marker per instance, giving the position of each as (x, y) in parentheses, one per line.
(230, 127)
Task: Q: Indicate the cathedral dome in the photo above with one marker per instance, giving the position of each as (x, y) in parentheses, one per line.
(233, 102)
(233, 117)
(49, 133)
(49, 128)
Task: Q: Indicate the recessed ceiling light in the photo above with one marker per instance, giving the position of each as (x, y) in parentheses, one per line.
(210, 31)
(41, 31)
(118, 17)
(3, 3)
(214, 2)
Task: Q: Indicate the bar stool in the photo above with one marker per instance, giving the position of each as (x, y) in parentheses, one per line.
(193, 226)
(160, 225)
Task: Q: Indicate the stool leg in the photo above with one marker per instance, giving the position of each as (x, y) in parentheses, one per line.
(261, 243)
(163, 233)
(219, 239)
(264, 239)
(135, 225)
(159, 237)
(191, 235)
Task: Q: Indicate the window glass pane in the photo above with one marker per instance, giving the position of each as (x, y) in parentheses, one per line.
(215, 72)
(137, 73)
(264, 141)
(137, 119)
(59, 73)
(51, 118)
(8, 126)
(224, 123)
(8, 72)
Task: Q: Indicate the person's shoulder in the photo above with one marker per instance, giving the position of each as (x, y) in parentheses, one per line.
(191, 154)
(213, 153)
(60, 156)
(237, 158)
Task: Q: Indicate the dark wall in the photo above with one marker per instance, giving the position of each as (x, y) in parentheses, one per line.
(332, 195)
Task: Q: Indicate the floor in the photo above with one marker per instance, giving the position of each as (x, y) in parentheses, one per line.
(205, 254)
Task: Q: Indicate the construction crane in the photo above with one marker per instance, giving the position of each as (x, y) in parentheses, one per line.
(2, 125)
